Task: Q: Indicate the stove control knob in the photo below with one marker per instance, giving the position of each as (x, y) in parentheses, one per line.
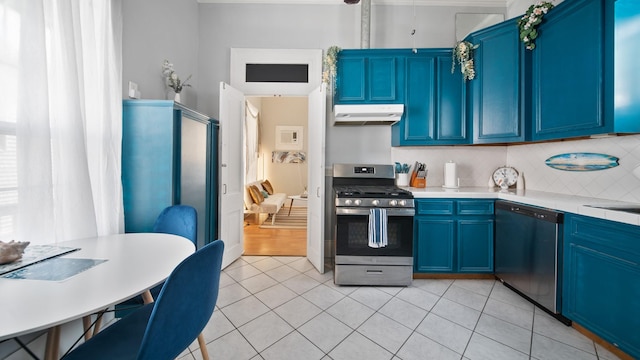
(375, 202)
(393, 202)
(357, 202)
(403, 203)
(347, 202)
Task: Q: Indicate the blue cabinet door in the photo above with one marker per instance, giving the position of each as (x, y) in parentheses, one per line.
(451, 93)
(149, 162)
(475, 245)
(382, 79)
(496, 100)
(568, 72)
(601, 281)
(417, 126)
(435, 245)
(350, 79)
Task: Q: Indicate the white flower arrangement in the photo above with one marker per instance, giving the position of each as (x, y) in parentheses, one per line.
(530, 20)
(330, 66)
(172, 79)
(463, 54)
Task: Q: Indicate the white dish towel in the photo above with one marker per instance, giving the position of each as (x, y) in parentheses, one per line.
(378, 228)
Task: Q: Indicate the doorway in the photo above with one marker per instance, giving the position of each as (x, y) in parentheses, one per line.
(275, 149)
(232, 112)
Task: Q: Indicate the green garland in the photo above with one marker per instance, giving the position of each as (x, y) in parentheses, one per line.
(330, 66)
(463, 54)
(529, 22)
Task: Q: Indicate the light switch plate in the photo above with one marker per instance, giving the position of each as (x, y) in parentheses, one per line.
(133, 90)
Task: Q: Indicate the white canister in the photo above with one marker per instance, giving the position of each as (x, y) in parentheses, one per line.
(450, 175)
(402, 179)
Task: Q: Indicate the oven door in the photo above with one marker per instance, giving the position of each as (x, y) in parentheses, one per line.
(352, 233)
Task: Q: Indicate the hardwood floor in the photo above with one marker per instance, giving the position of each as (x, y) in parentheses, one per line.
(273, 242)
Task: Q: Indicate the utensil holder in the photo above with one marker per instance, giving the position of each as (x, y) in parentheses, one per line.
(402, 179)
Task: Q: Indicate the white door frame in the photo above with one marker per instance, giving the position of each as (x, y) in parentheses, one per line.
(312, 57)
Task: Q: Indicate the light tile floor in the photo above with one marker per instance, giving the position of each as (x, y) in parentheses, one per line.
(282, 308)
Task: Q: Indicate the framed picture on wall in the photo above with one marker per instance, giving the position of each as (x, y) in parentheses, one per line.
(288, 157)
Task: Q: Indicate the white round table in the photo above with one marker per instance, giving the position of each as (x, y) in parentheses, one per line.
(135, 263)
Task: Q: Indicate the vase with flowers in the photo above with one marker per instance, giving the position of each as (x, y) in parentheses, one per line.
(528, 23)
(172, 80)
(463, 54)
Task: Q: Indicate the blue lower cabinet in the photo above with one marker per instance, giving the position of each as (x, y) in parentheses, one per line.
(453, 236)
(601, 284)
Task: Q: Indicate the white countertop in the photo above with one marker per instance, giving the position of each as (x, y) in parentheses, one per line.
(561, 202)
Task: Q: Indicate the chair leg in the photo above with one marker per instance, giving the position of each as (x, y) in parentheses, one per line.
(203, 347)
(86, 326)
(96, 326)
(147, 298)
(52, 346)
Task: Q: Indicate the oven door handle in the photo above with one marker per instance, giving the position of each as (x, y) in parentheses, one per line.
(365, 211)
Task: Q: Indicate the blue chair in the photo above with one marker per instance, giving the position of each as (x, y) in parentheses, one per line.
(179, 220)
(164, 328)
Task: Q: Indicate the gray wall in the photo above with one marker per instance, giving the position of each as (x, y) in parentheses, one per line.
(155, 30)
(225, 26)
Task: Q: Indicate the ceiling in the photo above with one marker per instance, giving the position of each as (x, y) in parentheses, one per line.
(479, 3)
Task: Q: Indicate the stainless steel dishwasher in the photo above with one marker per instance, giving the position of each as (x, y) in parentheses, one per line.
(528, 253)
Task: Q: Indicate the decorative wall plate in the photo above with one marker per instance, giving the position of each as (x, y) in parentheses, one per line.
(582, 161)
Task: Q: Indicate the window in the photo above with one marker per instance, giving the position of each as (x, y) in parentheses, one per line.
(9, 46)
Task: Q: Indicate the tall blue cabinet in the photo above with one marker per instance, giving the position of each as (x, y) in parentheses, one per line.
(169, 156)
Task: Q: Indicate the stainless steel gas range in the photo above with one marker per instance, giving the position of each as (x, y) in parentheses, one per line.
(366, 196)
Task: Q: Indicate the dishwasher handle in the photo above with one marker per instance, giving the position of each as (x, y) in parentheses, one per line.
(530, 211)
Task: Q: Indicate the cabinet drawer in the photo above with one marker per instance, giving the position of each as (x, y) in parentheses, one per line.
(434, 207)
(474, 207)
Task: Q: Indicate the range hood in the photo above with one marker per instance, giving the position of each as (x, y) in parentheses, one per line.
(367, 114)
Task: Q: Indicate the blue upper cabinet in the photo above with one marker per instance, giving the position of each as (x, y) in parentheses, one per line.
(497, 93)
(434, 111)
(368, 77)
(573, 67)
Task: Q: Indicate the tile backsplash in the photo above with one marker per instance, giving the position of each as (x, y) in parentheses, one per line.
(618, 183)
(476, 164)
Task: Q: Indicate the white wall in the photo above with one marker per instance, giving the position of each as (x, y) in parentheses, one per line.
(284, 111)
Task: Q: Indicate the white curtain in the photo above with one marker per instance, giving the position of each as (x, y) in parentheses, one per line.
(68, 118)
(251, 142)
